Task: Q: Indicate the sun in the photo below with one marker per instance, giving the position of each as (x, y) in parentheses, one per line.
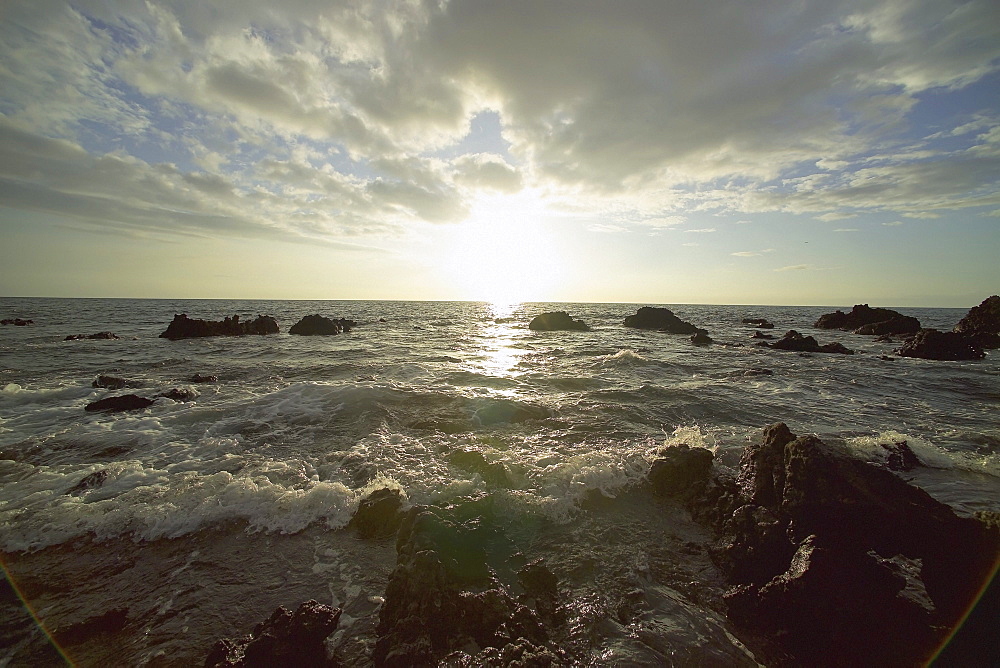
(504, 252)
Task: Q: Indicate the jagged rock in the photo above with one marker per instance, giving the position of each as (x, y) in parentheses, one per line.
(982, 323)
(125, 402)
(95, 337)
(557, 320)
(902, 325)
(17, 322)
(701, 339)
(660, 319)
(931, 344)
(284, 639)
(378, 514)
(90, 481)
(860, 316)
(760, 323)
(181, 394)
(183, 327)
(198, 378)
(794, 341)
(900, 456)
(110, 382)
(678, 470)
(313, 325)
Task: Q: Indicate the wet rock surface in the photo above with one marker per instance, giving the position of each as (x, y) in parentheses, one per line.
(183, 327)
(932, 344)
(557, 320)
(660, 319)
(379, 514)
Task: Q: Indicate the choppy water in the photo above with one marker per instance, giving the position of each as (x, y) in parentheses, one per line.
(214, 511)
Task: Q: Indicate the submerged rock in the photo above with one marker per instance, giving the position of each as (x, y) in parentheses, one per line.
(314, 325)
(198, 378)
(183, 327)
(863, 315)
(90, 481)
(932, 344)
(111, 382)
(284, 639)
(99, 336)
(982, 323)
(125, 402)
(660, 319)
(794, 341)
(760, 323)
(557, 320)
(181, 394)
(17, 322)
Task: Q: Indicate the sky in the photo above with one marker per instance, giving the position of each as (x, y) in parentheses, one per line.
(800, 152)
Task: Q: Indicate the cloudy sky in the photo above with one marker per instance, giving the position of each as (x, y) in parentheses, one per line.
(665, 151)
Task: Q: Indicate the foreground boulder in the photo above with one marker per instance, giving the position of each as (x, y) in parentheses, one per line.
(557, 320)
(284, 639)
(794, 341)
(660, 319)
(125, 402)
(932, 344)
(317, 325)
(183, 327)
(843, 561)
(866, 320)
(982, 323)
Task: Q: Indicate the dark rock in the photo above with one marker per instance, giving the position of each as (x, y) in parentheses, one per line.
(109, 622)
(794, 341)
(183, 327)
(884, 338)
(678, 470)
(90, 481)
(760, 323)
(701, 339)
(95, 337)
(111, 382)
(902, 325)
(982, 323)
(557, 320)
(494, 473)
(378, 514)
(125, 402)
(198, 378)
(519, 653)
(931, 344)
(887, 358)
(17, 322)
(660, 319)
(899, 456)
(860, 315)
(761, 335)
(284, 639)
(755, 371)
(181, 394)
(313, 325)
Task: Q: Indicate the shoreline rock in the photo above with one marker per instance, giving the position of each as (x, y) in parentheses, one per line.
(662, 320)
(555, 321)
(982, 323)
(931, 344)
(183, 327)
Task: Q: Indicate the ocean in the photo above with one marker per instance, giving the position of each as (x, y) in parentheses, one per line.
(211, 512)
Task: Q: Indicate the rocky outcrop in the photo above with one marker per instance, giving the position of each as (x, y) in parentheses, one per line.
(17, 322)
(660, 319)
(317, 325)
(557, 320)
(866, 320)
(759, 323)
(183, 327)
(794, 341)
(982, 323)
(95, 337)
(125, 402)
(844, 561)
(284, 639)
(932, 344)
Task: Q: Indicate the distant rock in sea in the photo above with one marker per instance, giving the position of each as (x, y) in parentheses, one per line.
(866, 320)
(98, 336)
(759, 323)
(982, 323)
(662, 320)
(557, 320)
(313, 325)
(125, 402)
(183, 327)
(932, 344)
(17, 322)
(794, 341)
(701, 338)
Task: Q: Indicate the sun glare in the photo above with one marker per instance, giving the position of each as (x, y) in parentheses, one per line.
(503, 252)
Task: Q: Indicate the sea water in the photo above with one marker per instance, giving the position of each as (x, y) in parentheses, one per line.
(211, 512)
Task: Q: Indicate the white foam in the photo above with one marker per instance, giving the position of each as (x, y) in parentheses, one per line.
(870, 447)
(624, 357)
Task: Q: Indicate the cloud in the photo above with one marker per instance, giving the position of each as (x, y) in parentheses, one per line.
(793, 267)
(836, 215)
(846, 229)
(895, 223)
(752, 253)
(489, 171)
(704, 230)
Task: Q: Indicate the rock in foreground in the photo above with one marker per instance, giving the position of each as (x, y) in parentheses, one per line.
(557, 320)
(982, 323)
(931, 344)
(660, 319)
(317, 325)
(183, 327)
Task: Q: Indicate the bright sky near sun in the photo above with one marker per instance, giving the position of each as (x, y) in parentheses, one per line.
(811, 152)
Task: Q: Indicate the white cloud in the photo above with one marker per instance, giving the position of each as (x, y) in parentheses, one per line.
(752, 253)
(846, 229)
(704, 230)
(793, 267)
(895, 223)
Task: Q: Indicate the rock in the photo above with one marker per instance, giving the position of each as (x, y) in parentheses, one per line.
(660, 319)
(931, 344)
(284, 639)
(756, 371)
(110, 382)
(17, 322)
(701, 339)
(378, 514)
(761, 335)
(899, 456)
(313, 325)
(794, 341)
(183, 327)
(760, 323)
(557, 320)
(678, 470)
(198, 378)
(902, 325)
(982, 323)
(98, 336)
(181, 394)
(861, 315)
(106, 623)
(90, 481)
(125, 402)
